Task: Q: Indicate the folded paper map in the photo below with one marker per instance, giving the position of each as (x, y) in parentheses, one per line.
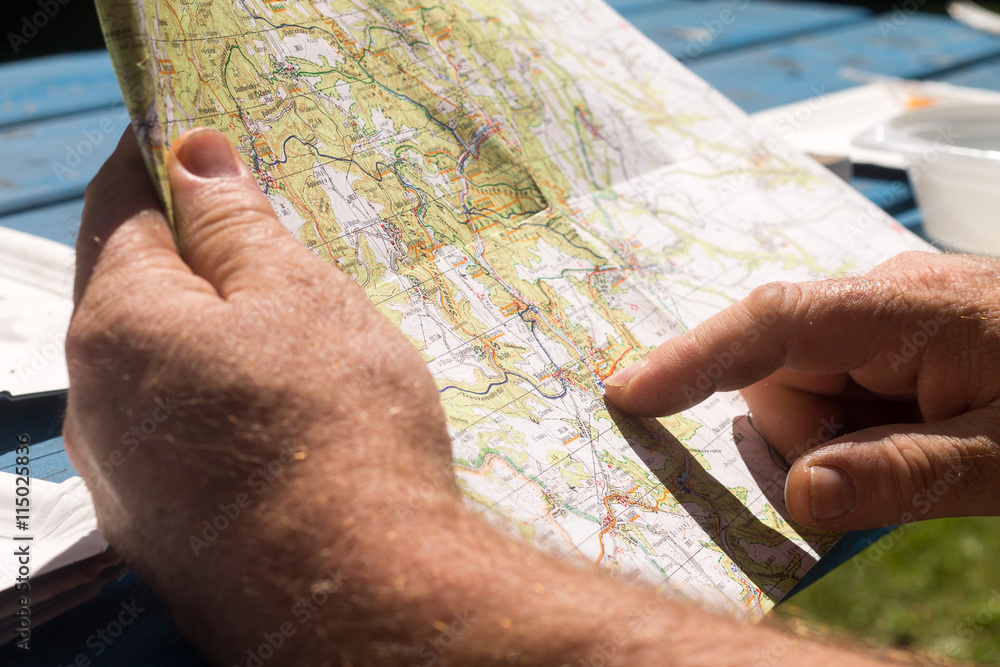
(536, 195)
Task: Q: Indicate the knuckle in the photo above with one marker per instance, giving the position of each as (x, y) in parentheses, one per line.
(91, 325)
(92, 194)
(934, 274)
(910, 258)
(914, 468)
(908, 265)
(91, 338)
(223, 205)
(928, 276)
(950, 287)
(973, 466)
(781, 299)
(85, 338)
(100, 187)
(929, 469)
(105, 325)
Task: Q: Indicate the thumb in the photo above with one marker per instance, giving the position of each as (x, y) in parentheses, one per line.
(898, 474)
(226, 228)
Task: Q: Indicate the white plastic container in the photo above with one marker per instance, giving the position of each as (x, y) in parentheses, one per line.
(953, 160)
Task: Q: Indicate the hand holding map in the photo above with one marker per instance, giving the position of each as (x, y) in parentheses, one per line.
(536, 196)
(275, 535)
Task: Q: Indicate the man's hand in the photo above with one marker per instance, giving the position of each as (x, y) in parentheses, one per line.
(239, 405)
(270, 453)
(882, 392)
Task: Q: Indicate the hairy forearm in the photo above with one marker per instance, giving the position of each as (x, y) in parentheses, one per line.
(496, 601)
(316, 553)
(422, 580)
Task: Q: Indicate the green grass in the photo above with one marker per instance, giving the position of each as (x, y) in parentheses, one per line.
(927, 587)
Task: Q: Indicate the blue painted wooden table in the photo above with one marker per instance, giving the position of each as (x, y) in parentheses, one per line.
(61, 117)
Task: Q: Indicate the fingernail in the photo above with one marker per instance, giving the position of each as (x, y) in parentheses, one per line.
(208, 154)
(831, 493)
(622, 377)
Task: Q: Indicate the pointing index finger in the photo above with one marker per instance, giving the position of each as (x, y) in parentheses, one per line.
(820, 328)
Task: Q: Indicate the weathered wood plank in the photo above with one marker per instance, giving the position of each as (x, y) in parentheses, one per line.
(53, 160)
(984, 75)
(693, 30)
(33, 90)
(629, 7)
(48, 461)
(59, 223)
(917, 46)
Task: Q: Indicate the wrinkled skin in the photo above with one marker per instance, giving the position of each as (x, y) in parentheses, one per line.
(260, 441)
(889, 379)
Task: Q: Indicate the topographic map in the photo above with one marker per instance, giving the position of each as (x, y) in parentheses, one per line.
(536, 195)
